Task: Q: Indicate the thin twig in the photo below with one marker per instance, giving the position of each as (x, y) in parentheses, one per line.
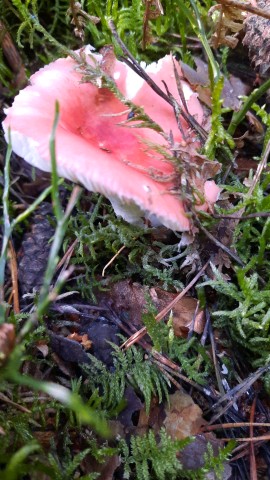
(252, 466)
(140, 333)
(243, 217)
(236, 393)
(221, 426)
(162, 360)
(67, 256)
(264, 438)
(112, 259)
(136, 67)
(223, 247)
(163, 370)
(5, 399)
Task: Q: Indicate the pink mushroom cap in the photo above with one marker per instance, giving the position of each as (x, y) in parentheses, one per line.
(94, 150)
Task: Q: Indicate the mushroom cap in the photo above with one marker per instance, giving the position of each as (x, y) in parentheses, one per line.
(92, 148)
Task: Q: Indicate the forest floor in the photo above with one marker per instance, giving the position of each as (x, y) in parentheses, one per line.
(126, 350)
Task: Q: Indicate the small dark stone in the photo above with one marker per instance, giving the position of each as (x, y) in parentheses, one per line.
(101, 332)
(68, 350)
(134, 405)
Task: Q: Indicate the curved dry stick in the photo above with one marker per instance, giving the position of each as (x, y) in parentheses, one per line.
(140, 333)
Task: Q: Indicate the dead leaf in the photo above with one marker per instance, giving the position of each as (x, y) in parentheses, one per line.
(43, 348)
(103, 332)
(229, 23)
(129, 300)
(183, 416)
(153, 10)
(106, 468)
(7, 340)
(12, 57)
(244, 164)
(82, 339)
(45, 438)
(233, 86)
(152, 419)
(183, 312)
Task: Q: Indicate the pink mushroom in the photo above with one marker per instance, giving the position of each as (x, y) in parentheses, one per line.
(95, 150)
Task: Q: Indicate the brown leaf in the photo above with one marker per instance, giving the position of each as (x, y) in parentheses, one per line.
(43, 348)
(7, 340)
(34, 251)
(45, 438)
(183, 416)
(106, 468)
(153, 419)
(233, 86)
(153, 10)
(82, 339)
(244, 164)
(129, 300)
(183, 312)
(230, 22)
(12, 57)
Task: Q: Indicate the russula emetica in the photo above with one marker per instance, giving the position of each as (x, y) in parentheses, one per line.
(94, 150)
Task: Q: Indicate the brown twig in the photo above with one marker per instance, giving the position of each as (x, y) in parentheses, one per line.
(241, 450)
(253, 469)
(243, 217)
(136, 67)
(163, 370)
(164, 362)
(224, 426)
(173, 368)
(219, 244)
(112, 259)
(264, 438)
(140, 333)
(67, 256)
(5, 399)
